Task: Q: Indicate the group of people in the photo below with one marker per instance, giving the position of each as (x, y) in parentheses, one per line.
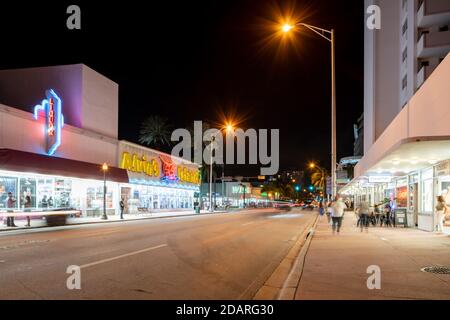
(11, 204)
(383, 214)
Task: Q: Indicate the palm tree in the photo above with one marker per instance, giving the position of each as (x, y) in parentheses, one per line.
(155, 131)
(318, 179)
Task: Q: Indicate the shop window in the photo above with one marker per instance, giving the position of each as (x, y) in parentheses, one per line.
(427, 196)
(27, 193)
(8, 184)
(63, 189)
(44, 193)
(444, 190)
(94, 197)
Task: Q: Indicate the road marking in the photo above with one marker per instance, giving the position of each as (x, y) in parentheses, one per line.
(247, 224)
(121, 256)
(384, 239)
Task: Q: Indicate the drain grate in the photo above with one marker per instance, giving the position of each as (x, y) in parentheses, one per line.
(436, 269)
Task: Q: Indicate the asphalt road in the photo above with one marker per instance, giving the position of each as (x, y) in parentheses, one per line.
(221, 256)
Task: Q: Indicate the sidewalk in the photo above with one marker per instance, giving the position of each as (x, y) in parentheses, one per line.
(335, 266)
(40, 223)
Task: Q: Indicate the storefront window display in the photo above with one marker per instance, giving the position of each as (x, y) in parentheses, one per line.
(427, 191)
(140, 198)
(401, 193)
(44, 194)
(444, 189)
(7, 184)
(27, 198)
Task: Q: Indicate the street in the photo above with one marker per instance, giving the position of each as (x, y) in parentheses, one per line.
(220, 256)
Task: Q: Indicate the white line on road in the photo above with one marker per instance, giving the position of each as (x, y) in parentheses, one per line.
(121, 256)
(247, 224)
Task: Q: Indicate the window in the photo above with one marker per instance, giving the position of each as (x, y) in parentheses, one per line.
(404, 4)
(27, 195)
(405, 54)
(423, 63)
(8, 184)
(405, 27)
(405, 82)
(427, 195)
(427, 191)
(443, 28)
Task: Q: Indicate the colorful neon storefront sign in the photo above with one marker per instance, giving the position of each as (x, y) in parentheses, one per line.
(137, 164)
(54, 119)
(165, 168)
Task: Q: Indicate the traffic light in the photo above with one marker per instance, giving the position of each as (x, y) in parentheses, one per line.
(311, 188)
(297, 188)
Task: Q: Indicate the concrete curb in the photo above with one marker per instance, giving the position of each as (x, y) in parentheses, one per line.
(120, 221)
(283, 283)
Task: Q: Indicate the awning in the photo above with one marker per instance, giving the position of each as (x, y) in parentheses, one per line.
(13, 160)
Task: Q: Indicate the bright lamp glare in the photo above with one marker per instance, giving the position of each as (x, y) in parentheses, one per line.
(286, 28)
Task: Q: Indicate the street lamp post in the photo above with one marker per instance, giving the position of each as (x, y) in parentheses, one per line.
(328, 35)
(104, 169)
(211, 208)
(229, 129)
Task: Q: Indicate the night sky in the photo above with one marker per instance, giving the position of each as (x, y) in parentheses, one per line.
(206, 60)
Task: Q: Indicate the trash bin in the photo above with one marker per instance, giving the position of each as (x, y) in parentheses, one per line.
(197, 207)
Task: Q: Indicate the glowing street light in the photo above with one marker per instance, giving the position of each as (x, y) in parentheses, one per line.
(104, 169)
(330, 37)
(287, 27)
(229, 128)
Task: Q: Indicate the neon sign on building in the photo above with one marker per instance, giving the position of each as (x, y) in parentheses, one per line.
(54, 119)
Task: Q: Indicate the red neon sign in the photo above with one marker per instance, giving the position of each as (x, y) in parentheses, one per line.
(169, 168)
(51, 118)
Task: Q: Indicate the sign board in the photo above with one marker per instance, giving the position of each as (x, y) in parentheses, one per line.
(329, 187)
(443, 168)
(54, 120)
(380, 179)
(401, 217)
(152, 166)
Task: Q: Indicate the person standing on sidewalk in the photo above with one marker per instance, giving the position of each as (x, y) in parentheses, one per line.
(122, 207)
(10, 204)
(441, 211)
(363, 209)
(338, 208)
(27, 206)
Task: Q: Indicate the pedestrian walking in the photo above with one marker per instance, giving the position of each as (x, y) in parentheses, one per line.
(329, 212)
(10, 204)
(321, 208)
(27, 206)
(378, 215)
(441, 211)
(122, 207)
(338, 208)
(363, 210)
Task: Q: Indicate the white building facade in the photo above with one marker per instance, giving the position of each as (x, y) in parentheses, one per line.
(407, 111)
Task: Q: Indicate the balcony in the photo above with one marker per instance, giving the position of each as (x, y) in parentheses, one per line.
(423, 75)
(434, 44)
(433, 12)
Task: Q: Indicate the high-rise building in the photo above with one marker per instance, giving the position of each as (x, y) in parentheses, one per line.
(406, 160)
(413, 40)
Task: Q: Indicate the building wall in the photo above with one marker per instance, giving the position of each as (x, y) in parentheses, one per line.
(20, 131)
(90, 100)
(426, 115)
(100, 103)
(25, 88)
